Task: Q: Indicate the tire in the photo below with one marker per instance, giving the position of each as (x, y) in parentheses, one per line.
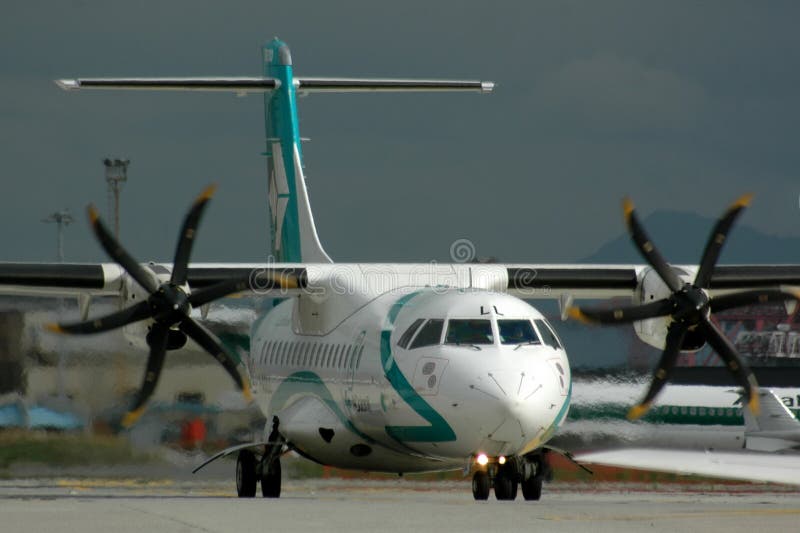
(480, 485)
(246, 474)
(271, 480)
(532, 488)
(505, 487)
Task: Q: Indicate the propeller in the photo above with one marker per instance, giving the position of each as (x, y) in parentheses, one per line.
(689, 307)
(168, 305)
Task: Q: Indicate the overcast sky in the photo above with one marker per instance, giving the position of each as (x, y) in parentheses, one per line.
(682, 105)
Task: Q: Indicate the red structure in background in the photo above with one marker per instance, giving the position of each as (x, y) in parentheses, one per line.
(193, 433)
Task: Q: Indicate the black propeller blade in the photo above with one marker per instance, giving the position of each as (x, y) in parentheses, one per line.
(168, 306)
(689, 306)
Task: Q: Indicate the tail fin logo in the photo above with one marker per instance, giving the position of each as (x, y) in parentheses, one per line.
(278, 196)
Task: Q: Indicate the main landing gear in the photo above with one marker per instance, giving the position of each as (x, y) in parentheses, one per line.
(507, 474)
(266, 468)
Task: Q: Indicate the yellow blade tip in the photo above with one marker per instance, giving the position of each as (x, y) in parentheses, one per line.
(287, 282)
(93, 214)
(638, 411)
(54, 328)
(207, 193)
(743, 201)
(754, 404)
(575, 313)
(247, 393)
(131, 417)
(627, 207)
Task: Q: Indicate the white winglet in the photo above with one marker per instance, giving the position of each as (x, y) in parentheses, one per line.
(68, 85)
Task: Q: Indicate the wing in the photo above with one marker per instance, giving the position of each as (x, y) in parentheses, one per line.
(109, 279)
(747, 466)
(543, 281)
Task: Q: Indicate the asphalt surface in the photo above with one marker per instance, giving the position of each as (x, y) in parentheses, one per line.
(122, 505)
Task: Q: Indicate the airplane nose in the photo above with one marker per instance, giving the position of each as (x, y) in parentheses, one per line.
(527, 403)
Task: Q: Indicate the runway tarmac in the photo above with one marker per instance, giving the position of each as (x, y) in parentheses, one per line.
(119, 506)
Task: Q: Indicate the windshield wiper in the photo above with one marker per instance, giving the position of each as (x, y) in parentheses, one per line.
(526, 343)
(475, 346)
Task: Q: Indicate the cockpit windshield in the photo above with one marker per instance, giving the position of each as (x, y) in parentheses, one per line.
(469, 331)
(517, 332)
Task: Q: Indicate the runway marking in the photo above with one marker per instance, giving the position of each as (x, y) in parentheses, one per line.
(112, 483)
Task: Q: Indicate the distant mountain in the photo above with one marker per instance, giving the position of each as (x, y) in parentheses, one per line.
(681, 237)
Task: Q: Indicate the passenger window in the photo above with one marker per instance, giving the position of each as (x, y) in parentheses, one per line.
(517, 332)
(469, 331)
(430, 334)
(548, 336)
(406, 338)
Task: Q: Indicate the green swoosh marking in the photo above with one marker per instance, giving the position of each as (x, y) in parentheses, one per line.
(309, 383)
(439, 430)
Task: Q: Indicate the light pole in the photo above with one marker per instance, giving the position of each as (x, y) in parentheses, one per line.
(62, 219)
(116, 176)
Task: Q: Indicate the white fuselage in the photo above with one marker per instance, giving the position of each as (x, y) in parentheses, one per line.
(361, 396)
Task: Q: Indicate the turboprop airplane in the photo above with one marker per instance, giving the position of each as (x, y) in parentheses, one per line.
(765, 449)
(392, 367)
(685, 417)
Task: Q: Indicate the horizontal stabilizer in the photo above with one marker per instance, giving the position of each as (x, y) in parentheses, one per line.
(233, 84)
(748, 466)
(343, 85)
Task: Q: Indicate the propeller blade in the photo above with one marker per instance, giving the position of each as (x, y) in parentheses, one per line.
(180, 266)
(279, 280)
(622, 315)
(648, 249)
(115, 250)
(669, 357)
(717, 239)
(209, 343)
(218, 290)
(745, 298)
(727, 352)
(121, 318)
(158, 350)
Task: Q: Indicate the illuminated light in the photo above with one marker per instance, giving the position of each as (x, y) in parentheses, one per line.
(501, 460)
(482, 459)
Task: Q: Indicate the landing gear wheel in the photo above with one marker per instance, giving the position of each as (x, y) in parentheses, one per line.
(532, 488)
(246, 474)
(271, 480)
(480, 485)
(505, 486)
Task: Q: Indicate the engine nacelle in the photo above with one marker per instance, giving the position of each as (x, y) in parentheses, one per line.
(654, 331)
(132, 293)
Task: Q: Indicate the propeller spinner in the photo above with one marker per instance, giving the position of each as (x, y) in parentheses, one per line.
(168, 305)
(689, 307)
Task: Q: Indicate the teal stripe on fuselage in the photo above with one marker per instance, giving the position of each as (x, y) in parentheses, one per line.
(662, 414)
(439, 430)
(310, 384)
(281, 123)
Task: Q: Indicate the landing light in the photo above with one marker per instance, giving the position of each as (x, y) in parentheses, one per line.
(501, 460)
(482, 459)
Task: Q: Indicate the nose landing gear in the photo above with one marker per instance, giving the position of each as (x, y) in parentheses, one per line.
(507, 474)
